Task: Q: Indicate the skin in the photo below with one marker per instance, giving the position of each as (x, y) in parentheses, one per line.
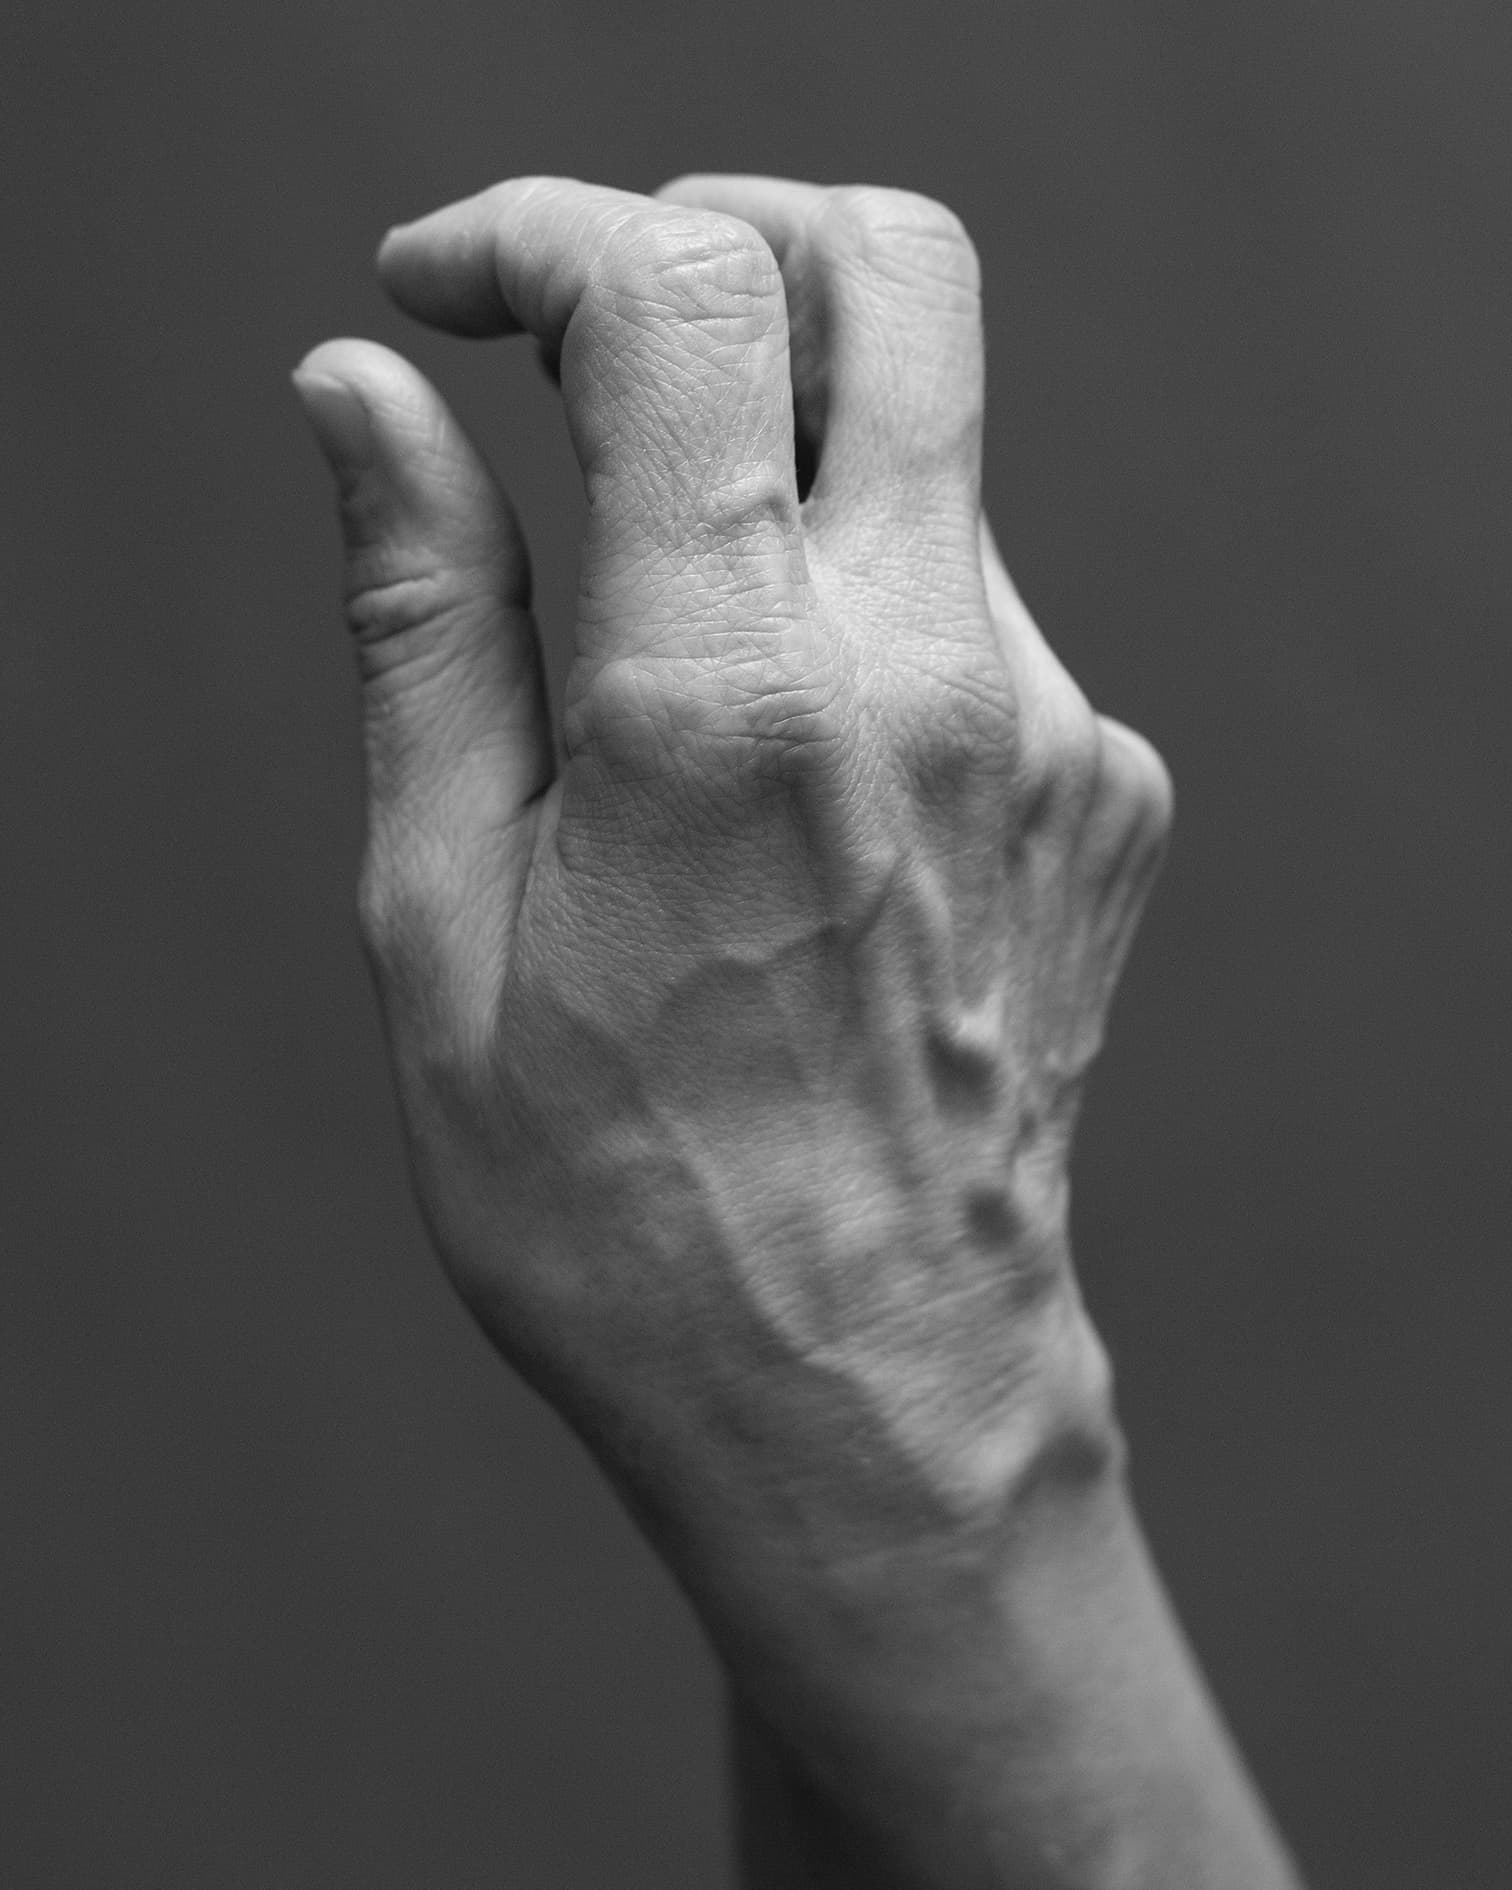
(740, 1057)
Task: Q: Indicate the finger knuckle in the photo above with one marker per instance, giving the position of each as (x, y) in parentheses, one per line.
(614, 720)
(384, 609)
(743, 722)
(431, 946)
(404, 613)
(697, 265)
(1135, 781)
(1059, 756)
(753, 513)
(407, 891)
(958, 725)
(900, 231)
(437, 979)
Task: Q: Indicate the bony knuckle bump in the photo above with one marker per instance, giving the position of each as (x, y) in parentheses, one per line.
(392, 606)
(408, 890)
(641, 724)
(615, 720)
(755, 508)
(884, 226)
(784, 723)
(960, 727)
(1135, 778)
(699, 265)
(1059, 759)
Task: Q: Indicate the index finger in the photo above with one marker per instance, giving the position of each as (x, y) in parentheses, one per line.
(672, 328)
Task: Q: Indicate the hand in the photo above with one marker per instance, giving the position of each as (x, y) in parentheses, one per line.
(740, 1059)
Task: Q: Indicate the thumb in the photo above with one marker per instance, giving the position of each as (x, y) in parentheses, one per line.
(437, 582)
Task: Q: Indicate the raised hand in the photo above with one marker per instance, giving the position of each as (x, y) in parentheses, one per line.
(740, 1060)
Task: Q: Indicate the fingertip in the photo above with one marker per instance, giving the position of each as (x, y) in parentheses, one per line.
(390, 248)
(352, 393)
(407, 263)
(368, 366)
(405, 469)
(365, 402)
(338, 419)
(437, 270)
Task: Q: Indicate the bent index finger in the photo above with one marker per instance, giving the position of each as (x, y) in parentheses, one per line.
(672, 327)
(513, 258)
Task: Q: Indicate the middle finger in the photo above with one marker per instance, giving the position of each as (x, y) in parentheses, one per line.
(885, 305)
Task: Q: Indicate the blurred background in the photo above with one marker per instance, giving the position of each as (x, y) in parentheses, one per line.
(298, 1587)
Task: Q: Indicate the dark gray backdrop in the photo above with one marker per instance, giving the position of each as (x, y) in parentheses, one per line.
(298, 1588)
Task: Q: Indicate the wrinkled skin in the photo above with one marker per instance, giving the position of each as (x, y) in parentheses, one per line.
(740, 1057)
(763, 1023)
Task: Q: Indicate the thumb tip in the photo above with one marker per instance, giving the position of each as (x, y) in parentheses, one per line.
(337, 414)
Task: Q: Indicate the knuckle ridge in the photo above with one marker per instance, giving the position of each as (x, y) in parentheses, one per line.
(881, 224)
(1142, 778)
(700, 263)
(391, 607)
(1060, 756)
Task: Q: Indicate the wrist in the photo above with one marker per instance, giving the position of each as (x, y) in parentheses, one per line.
(874, 1521)
(1003, 1698)
(885, 1451)
(898, 1720)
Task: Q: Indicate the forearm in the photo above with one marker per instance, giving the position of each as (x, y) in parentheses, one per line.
(740, 1060)
(1016, 1712)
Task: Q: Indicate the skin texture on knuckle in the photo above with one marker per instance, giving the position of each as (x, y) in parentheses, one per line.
(957, 726)
(903, 236)
(713, 535)
(421, 640)
(749, 718)
(403, 576)
(676, 375)
(699, 269)
(752, 516)
(385, 614)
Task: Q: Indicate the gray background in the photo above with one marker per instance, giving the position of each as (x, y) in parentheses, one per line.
(299, 1588)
